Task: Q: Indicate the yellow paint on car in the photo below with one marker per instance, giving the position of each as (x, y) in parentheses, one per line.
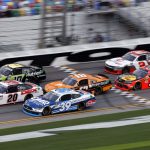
(15, 65)
(129, 78)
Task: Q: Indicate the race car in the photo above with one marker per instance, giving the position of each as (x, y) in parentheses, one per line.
(21, 73)
(128, 63)
(138, 80)
(12, 91)
(58, 101)
(96, 84)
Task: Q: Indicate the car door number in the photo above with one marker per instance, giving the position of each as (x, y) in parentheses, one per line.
(12, 98)
(65, 106)
(84, 88)
(18, 78)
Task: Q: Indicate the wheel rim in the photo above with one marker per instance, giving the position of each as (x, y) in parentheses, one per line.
(46, 111)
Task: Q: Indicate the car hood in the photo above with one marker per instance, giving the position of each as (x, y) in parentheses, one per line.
(37, 102)
(55, 85)
(117, 62)
(2, 77)
(127, 78)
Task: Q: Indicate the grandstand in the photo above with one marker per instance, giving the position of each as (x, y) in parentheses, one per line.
(82, 26)
(138, 16)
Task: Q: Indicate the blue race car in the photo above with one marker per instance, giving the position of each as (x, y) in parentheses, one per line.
(57, 101)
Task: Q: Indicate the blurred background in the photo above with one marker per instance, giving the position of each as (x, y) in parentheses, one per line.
(34, 24)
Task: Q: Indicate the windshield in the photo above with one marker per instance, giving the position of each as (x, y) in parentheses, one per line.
(50, 96)
(140, 73)
(6, 71)
(69, 81)
(2, 89)
(128, 57)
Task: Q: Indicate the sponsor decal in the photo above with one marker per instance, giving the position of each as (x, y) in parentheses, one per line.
(74, 57)
(90, 102)
(129, 78)
(37, 101)
(34, 73)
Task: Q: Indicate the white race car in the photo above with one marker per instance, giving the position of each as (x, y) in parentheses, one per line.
(128, 63)
(12, 91)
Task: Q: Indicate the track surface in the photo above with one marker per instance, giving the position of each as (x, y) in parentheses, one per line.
(114, 100)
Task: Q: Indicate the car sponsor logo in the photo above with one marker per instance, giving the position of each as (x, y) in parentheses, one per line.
(90, 102)
(129, 78)
(34, 73)
(40, 101)
(74, 57)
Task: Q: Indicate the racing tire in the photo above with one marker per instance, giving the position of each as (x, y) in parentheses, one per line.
(125, 70)
(98, 91)
(81, 106)
(44, 92)
(137, 86)
(46, 111)
(28, 97)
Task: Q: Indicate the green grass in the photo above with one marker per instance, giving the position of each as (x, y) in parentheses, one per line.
(101, 118)
(119, 138)
(133, 137)
(128, 146)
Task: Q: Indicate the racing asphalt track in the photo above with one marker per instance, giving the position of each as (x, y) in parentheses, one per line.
(110, 102)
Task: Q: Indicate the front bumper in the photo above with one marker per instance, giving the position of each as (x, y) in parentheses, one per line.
(123, 86)
(31, 112)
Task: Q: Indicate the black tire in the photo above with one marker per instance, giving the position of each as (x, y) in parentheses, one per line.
(81, 106)
(125, 70)
(28, 97)
(98, 91)
(44, 92)
(138, 86)
(46, 111)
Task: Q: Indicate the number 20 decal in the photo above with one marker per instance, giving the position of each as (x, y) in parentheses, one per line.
(12, 98)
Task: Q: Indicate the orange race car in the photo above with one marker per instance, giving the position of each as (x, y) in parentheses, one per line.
(95, 84)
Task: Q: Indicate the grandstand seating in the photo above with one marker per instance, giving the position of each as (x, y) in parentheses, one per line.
(139, 16)
(25, 30)
(33, 7)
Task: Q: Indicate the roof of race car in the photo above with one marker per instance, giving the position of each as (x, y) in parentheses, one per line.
(62, 91)
(139, 52)
(78, 77)
(14, 65)
(9, 82)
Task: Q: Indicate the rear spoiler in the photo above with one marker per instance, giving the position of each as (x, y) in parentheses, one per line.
(102, 75)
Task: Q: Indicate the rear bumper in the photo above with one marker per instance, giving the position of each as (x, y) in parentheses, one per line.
(113, 71)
